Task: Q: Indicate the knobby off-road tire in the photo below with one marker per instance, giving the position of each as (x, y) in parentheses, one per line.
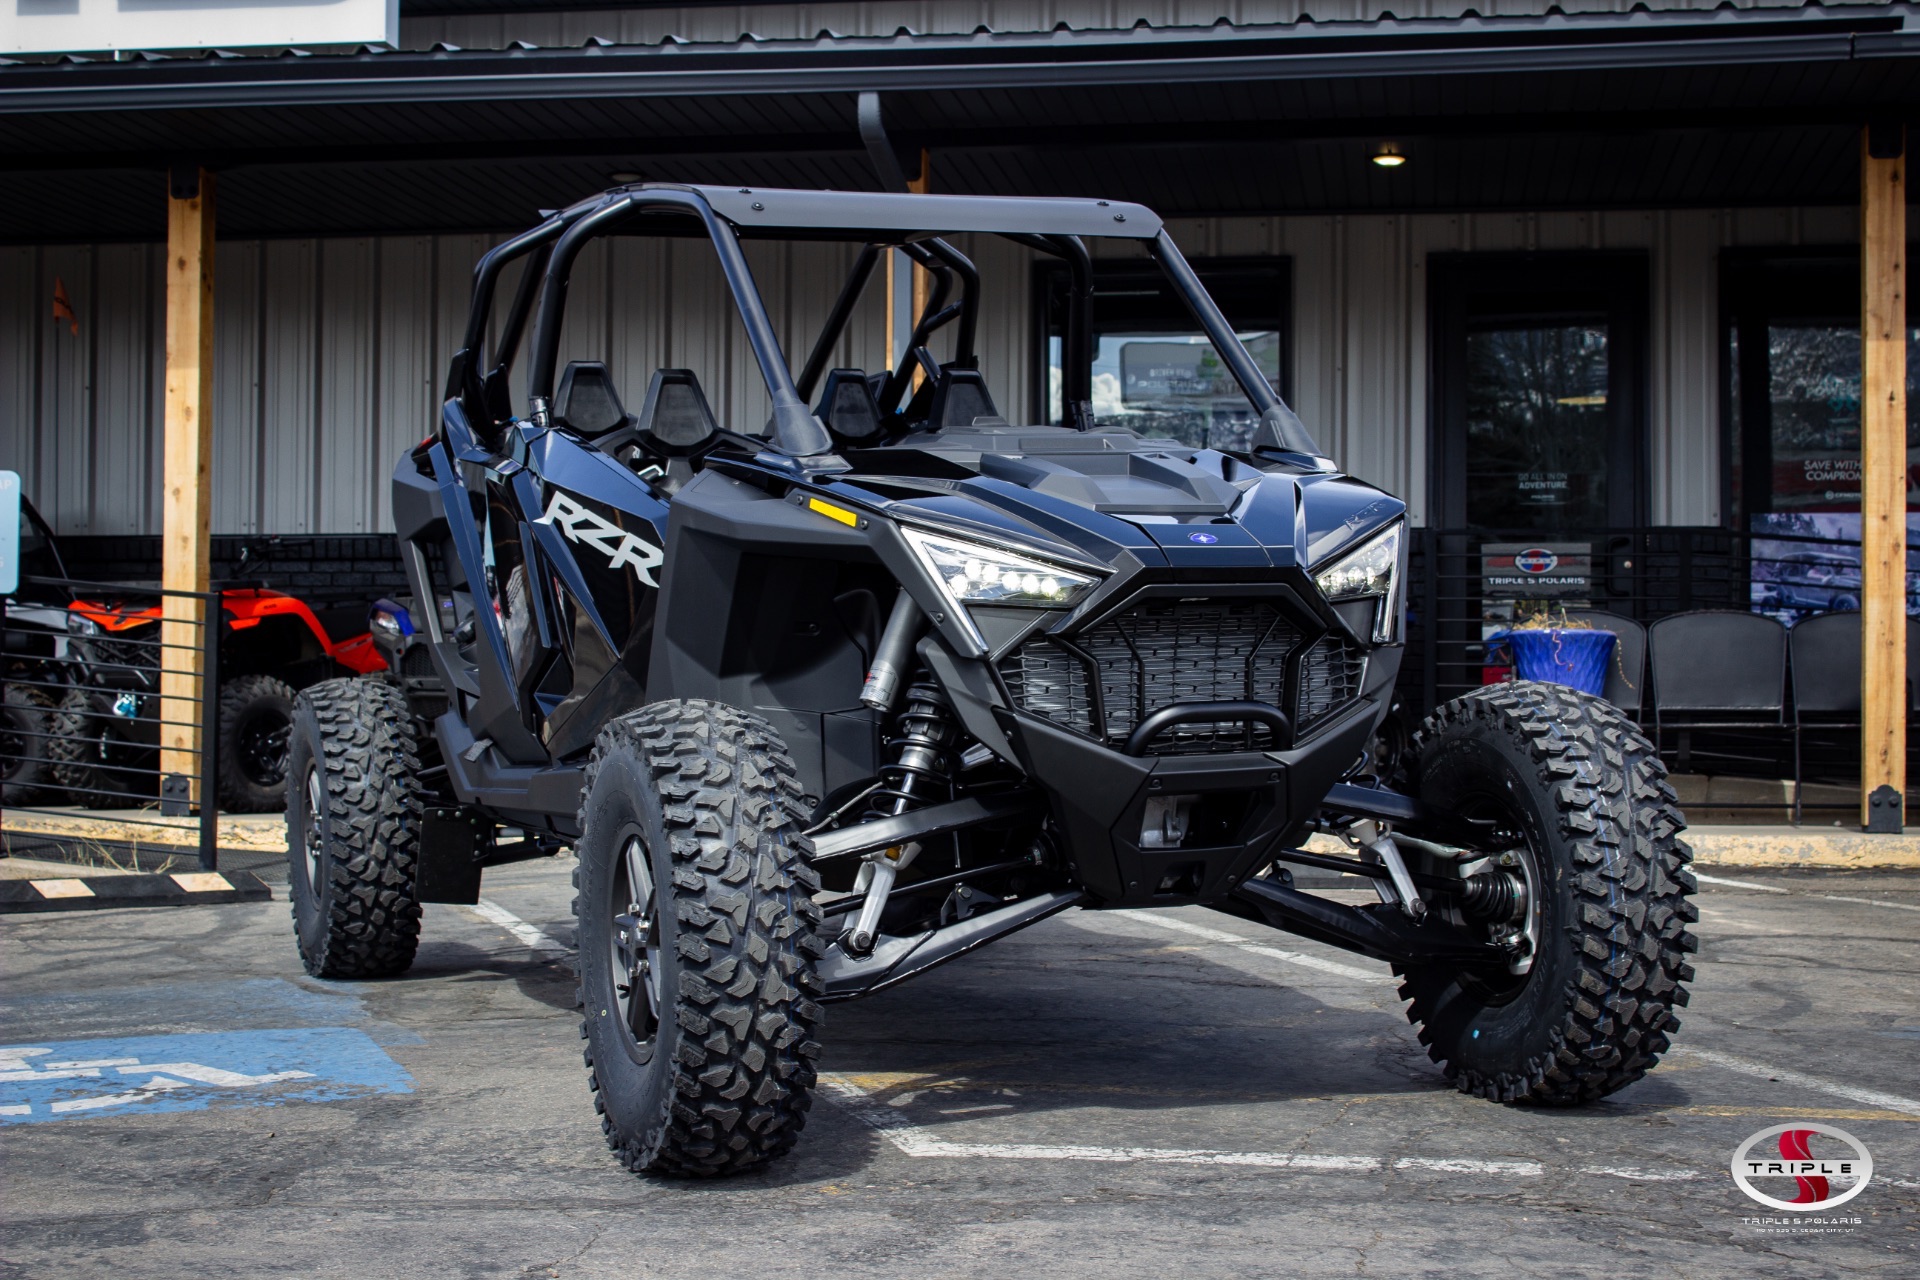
(690, 834)
(1592, 797)
(256, 715)
(354, 812)
(26, 720)
(103, 759)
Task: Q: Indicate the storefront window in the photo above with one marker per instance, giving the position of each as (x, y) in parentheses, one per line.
(1538, 429)
(1793, 355)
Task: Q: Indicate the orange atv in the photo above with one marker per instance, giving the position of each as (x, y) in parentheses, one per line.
(105, 737)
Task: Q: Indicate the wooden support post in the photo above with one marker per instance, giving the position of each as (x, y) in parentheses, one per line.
(186, 482)
(922, 278)
(1883, 478)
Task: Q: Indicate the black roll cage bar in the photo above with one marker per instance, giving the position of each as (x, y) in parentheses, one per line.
(478, 378)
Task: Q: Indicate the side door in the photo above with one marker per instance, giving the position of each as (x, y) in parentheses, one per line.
(591, 536)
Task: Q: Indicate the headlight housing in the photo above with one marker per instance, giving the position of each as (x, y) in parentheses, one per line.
(1370, 571)
(78, 624)
(975, 573)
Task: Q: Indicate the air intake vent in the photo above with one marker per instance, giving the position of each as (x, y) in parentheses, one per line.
(1110, 677)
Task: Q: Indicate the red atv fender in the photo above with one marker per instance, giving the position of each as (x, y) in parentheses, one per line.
(248, 608)
(245, 608)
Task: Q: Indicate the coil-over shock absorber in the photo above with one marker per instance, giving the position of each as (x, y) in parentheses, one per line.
(919, 769)
(919, 772)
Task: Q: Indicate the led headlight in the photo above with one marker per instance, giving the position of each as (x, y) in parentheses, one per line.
(1369, 571)
(972, 573)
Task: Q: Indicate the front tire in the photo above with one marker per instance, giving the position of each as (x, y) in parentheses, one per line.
(696, 939)
(354, 813)
(1607, 871)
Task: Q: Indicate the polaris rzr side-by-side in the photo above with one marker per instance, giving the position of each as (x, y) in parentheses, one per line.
(825, 701)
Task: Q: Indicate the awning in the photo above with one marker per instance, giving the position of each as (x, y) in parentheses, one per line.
(1729, 107)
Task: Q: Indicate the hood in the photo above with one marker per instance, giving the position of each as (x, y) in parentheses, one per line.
(1104, 492)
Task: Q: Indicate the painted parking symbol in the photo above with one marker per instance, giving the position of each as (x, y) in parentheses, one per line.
(63, 1079)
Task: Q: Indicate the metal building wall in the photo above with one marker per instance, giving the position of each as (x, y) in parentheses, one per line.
(939, 17)
(329, 353)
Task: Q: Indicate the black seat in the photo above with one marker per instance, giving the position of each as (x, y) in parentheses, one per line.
(586, 401)
(1626, 686)
(1716, 669)
(960, 399)
(675, 420)
(847, 407)
(674, 428)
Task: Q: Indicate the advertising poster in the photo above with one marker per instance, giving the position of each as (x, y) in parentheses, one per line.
(1811, 564)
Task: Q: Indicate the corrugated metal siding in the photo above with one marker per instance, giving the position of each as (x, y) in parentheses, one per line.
(955, 17)
(329, 353)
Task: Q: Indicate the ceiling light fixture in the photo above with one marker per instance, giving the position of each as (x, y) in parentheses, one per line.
(1389, 156)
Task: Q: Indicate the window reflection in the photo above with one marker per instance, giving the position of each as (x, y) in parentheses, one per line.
(1537, 426)
(1172, 386)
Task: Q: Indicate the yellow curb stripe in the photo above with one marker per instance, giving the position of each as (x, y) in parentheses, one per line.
(61, 888)
(201, 881)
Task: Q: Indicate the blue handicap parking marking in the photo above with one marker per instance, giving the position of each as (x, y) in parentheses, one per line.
(62, 1079)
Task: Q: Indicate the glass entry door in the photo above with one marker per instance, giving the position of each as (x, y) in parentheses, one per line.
(1540, 419)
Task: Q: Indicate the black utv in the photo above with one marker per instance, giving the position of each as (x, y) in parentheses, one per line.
(826, 700)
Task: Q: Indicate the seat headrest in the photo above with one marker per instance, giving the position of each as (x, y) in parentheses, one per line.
(586, 401)
(960, 397)
(847, 406)
(676, 416)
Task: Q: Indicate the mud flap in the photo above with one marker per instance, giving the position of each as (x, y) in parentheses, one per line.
(447, 870)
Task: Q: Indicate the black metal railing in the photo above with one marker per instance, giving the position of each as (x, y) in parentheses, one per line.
(111, 712)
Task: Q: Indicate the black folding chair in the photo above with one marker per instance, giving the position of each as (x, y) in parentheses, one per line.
(1716, 669)
(1626, 686)
(1826, 678)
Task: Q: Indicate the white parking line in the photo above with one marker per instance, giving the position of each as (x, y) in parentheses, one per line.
(1871, 902)
(1748, 1067)
(1349, 971)
(913, 1140)
(1704, 878)
(544, 945)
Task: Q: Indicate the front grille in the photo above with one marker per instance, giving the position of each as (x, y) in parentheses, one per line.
(1165, 652)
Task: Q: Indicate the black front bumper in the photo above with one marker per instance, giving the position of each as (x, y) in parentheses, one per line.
(1247, 804)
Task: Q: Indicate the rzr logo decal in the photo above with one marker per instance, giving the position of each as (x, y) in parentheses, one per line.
(620, 548)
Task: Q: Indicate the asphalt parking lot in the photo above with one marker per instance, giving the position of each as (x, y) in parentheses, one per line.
(1177, 1092)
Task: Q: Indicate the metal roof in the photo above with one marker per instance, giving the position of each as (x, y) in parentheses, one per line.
(1593, 110)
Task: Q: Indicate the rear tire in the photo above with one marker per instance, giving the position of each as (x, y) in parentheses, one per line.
(26, 718)
(354, 813)
(256, 719)
(1591, 797)
(697, 950)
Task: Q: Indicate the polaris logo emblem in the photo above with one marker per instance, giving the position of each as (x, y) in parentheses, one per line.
(1204, 539)
(577, 524)
(1536, 560)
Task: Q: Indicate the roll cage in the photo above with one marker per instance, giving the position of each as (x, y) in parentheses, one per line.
(915, 224)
